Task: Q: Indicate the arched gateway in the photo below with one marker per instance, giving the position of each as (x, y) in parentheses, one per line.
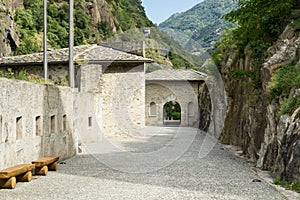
(172, 97)
(172, 114)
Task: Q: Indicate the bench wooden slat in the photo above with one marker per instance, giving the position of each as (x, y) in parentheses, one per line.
(45, 161)
(15, 170)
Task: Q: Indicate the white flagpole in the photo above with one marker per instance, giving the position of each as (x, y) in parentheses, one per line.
(71, 44)
(45, 42)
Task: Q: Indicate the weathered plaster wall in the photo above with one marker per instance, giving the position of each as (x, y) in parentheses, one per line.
(89, 77)
(111, 96)
(88, 117)
(183, 92)
(123, 103)
(35, 120)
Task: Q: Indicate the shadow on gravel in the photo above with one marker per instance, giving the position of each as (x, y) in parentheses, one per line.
(219, 170)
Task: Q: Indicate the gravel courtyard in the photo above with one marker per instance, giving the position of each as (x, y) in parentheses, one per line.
(158, 164)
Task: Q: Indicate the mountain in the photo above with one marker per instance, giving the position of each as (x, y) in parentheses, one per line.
(94, 20)
(200, 27)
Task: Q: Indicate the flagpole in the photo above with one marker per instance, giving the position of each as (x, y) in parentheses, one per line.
(45, 42)
(71, 44)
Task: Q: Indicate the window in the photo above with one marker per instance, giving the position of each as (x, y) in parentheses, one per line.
(90, 121)
(152, 109)
(38, 126)
(52, 124)
(64, 123)
(19, 128)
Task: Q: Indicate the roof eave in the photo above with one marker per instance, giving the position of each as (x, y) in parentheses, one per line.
(32, 63)
(174, 79)
(83, 61)
(119, 61)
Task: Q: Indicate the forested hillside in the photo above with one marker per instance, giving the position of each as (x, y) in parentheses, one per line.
(203, 24)
(93, 21)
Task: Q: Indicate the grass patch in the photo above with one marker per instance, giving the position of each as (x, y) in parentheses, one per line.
(25, 76)
(295, 186)
(282, 82)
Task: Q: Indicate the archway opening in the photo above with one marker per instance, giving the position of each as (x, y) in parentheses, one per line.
(172, 114)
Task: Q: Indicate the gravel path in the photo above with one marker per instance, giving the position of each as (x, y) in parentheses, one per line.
(219, 175)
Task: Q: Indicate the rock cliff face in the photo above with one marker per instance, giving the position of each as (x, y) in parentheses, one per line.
(8, 36)
(280, 150)
(246, 116)
(99, 11)
(252, 121)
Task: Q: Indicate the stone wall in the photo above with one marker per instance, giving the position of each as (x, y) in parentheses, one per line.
(40, 120)
(183, 92)
(35, 120)
(123, 103)
(136, 47)
(58, 74)
(88, 117)
(88, 77)
(112, 95)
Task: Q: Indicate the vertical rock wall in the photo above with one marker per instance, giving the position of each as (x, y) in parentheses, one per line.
(252, 120)
(9, 39)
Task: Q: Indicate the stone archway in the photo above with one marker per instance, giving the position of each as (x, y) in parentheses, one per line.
(171, 113)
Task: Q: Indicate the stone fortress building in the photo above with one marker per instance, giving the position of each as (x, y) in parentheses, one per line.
(112, 95)
(178, 86)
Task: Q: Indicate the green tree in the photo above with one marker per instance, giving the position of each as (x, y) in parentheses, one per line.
(260, 20)
(127, 13)
(172, 110)
(27, 32)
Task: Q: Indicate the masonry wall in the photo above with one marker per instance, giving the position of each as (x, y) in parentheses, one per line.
(88, 117)
(35, 120)
(88, 77)
(183, 92)
(123, 103)
(57, 73)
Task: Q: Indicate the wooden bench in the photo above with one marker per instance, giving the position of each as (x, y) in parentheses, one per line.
(20, 173)
(44, 164)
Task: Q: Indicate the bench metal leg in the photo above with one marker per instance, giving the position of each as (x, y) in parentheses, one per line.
(26, 177)
(8, 183)
(41, 170)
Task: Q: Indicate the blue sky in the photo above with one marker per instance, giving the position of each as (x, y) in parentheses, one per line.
(160, 10)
